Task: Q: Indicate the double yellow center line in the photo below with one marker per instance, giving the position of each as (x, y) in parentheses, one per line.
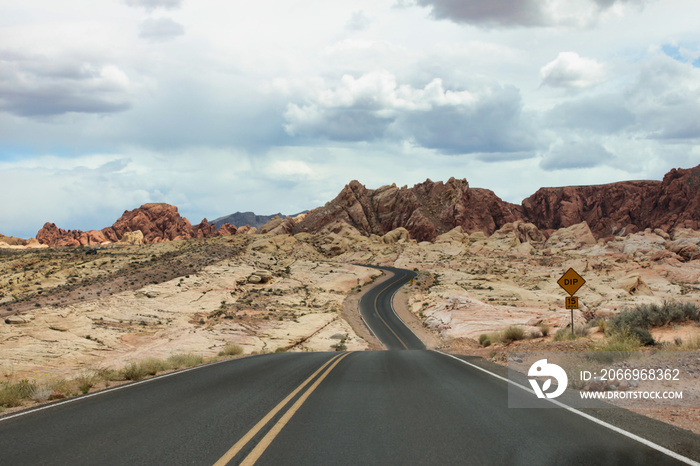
(262, 445)
(376, 310)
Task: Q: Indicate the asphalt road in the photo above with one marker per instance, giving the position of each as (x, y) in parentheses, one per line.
(378, 312)
(360, 408)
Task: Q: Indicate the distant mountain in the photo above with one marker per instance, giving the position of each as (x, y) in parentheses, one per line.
(246, 218)
(429, 209)
(156, 222)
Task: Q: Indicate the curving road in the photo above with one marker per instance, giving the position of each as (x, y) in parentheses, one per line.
(378, 312)
(375, 407)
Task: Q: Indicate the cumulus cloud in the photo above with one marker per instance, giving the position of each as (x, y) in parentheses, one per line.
(160, 29)
(32, 86)
(523, 13)
(153, 4)
(571, 71)
(575, 154)
(376, 106)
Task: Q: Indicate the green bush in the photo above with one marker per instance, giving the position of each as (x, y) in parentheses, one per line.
(643, 335)
(483, 339)
(652, 315)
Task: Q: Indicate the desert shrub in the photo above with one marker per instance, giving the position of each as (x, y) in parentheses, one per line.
(484, 340)
(108, 375)
(512, 333)
(564, 334)
(133, 371)
(181, 361)
(151, 366)
(535, 334)
(602, 324)
(643, 335)
(41, 392)
(14, 393)
(61, 386)
(85, 382)
(620, 341)
(544, 329)
(231, 349)
(281, 349)
(653, 315)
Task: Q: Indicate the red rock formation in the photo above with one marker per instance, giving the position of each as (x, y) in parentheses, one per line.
(157, 222)
(426, 210)
(227, 229)
(621, 208)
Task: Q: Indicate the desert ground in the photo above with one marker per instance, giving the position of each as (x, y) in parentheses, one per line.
(65, 312)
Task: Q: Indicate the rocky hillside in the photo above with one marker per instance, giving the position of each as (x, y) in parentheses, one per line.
(621, 208)
(432, 208)
(150, 223)
(426, 210)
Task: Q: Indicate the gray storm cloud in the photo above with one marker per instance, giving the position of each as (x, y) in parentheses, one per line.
(375, 106)
(522, 13)
(33, 87)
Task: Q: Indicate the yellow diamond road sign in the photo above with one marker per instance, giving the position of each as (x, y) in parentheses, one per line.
(571, 281)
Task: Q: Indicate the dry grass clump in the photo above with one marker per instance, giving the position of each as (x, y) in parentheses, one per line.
(184, 360)
(231, 349)
(619, 341)
(86, 381)
(14, 393)
(512, 333)
(689, 344)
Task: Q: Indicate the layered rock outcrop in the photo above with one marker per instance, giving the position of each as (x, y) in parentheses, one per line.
(426, 210)
(431, 209)
(621, 208)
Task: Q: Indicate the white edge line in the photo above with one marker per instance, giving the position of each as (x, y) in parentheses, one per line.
(108, 390)
(630, 435)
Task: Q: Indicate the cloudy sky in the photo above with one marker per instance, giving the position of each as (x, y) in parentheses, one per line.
(275, 105)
